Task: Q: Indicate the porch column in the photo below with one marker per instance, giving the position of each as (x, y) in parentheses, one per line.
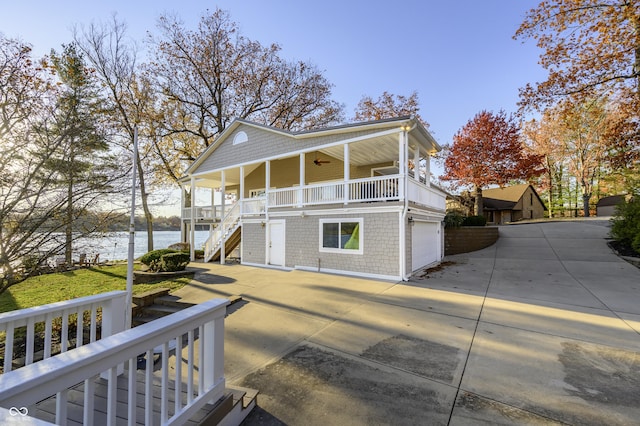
(402, 166)
(416, 163)
(347, 175)
(267, 184)
(192, 221)
(427, 171)
(222, 214)
(302, 173)
(241, 194)
(183, 228)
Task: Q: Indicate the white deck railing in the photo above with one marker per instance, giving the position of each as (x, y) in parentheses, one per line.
(203, 212)
(420, 193)
(43, 319)
(253, 206)
(201, 326)
(381, 188)
(378, 188)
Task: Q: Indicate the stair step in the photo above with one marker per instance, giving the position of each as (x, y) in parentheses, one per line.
(145, 319)
(171, 300)
(157, 309)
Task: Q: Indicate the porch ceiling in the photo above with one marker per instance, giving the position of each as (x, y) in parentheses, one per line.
(371, 151)
(231, 176)
(379, 150)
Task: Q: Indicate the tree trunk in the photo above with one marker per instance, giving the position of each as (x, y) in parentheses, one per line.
(585, 204)
(145, 205)
(479, 205)
(68, 227)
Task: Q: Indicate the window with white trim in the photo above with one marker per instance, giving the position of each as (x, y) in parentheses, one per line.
(341, 236)
(240, 137)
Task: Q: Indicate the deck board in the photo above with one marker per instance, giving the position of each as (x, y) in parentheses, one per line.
(45, 410)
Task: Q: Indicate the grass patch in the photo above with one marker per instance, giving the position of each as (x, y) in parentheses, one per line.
(57, 287)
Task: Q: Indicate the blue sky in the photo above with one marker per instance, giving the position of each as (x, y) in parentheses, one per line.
(459, 56)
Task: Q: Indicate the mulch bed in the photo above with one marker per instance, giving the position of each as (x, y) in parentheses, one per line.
(623, 249)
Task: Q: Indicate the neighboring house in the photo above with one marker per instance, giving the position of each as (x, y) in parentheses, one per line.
(511, 204)
(342, 199)
(606, 206)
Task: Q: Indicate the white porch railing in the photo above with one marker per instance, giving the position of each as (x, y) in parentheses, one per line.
(228, 224)
(378, 188)
(422, 194)
(201, 327)
(44, 318)
(253, 206)
(203, 212)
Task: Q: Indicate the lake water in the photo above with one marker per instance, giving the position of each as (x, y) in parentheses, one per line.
(115, 245)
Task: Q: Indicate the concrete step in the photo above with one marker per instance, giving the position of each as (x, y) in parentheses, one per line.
(143, 319)
(171, 300)
(158, 309)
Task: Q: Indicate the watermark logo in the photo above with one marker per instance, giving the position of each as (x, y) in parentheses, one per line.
(15, 411)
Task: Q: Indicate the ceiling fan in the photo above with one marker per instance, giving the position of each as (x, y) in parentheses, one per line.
(319, 162)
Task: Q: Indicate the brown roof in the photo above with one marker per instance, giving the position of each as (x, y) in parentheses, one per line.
(508, 193)
(506, 198)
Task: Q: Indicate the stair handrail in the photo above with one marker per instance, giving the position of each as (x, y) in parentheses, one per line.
(227, 224)
(203, 323)
(113, 305)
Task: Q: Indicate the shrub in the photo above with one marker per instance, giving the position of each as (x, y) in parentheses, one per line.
(625, 225)
(453, 219)
(172, 262)
(155, 255)
(180, 247)
(474, 221)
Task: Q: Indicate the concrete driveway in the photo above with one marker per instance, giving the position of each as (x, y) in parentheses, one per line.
(541, 328)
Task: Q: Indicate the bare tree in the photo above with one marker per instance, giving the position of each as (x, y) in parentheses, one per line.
(212, 75)
(114, 59)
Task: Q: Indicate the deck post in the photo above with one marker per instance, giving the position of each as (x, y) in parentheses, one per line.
(402, 163)
(302, 174)
(222, 214)
(213, 360)
(192, 220)
(241, 195)
(347, 174)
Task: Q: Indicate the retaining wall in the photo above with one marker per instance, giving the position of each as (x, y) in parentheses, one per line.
(469, 238)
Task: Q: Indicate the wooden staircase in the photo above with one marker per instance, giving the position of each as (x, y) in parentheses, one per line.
(230, 244)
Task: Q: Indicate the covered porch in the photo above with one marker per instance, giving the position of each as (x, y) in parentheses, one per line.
(387, 166)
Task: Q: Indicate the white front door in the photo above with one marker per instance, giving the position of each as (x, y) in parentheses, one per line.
(275, 243)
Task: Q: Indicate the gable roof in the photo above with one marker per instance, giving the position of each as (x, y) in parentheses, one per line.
(508, 193)
(308, 138)
(506, 198)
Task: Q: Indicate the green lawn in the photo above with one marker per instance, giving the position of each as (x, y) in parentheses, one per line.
(56, 287)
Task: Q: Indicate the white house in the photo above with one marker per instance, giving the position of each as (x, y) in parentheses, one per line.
(342, 199)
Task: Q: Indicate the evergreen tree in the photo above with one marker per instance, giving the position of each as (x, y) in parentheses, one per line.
(82, 162)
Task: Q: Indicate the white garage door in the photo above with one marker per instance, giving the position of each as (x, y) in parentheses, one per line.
(425, 244)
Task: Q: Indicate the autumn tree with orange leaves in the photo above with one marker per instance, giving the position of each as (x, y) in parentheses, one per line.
(591, 49)
(488, 151)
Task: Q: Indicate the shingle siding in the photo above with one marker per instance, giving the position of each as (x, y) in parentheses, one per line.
(380, 246)
(253, 243)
